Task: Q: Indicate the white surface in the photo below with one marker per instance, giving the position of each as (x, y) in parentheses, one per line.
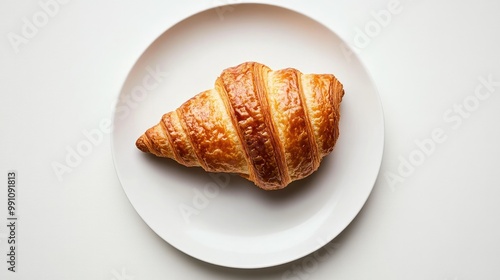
(439, 223)
(227, 220)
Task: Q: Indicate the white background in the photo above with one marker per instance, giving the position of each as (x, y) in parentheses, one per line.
(438, 220)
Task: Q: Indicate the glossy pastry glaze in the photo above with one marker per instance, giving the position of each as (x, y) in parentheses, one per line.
(271, 127)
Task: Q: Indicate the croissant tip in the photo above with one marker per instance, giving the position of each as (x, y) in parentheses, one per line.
(141, 145)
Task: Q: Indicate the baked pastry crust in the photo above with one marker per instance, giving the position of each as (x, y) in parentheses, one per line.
(271, 127)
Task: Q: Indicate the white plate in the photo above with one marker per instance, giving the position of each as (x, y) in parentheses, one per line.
(226, 220)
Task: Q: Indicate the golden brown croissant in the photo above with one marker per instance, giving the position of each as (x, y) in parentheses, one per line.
(271, 127)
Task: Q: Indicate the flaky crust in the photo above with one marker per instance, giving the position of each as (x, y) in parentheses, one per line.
(271, 127)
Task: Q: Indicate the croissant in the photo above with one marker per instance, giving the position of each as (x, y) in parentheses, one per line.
(270, 127)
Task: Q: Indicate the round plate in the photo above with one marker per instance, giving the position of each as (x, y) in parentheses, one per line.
(224, 219)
